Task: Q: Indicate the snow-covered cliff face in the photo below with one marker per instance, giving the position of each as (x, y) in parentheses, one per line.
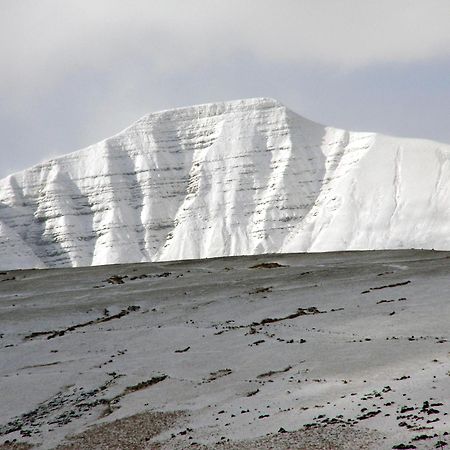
(241, 177)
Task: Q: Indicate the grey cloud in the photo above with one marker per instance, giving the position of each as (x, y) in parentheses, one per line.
(46, 38)
(75, 71)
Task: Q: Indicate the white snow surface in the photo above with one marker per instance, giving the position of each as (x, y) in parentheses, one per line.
(235, 178)
(238, 356)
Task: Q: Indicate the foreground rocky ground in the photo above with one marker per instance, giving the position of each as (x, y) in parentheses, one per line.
(316, 351)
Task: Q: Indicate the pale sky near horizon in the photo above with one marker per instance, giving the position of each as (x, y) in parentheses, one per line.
(75, 72)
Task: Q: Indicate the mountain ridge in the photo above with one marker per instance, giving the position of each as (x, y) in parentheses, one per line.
(218, 179)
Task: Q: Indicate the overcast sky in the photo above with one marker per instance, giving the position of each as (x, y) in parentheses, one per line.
(75, 72)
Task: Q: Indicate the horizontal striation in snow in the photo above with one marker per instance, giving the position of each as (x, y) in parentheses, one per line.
(233, 178)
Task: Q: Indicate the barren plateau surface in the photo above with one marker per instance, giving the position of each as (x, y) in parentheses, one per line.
(309, 351)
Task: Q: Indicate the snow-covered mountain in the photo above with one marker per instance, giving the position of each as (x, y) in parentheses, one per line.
(240, 177)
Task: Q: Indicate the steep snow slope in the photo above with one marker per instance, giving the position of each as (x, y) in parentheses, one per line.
(241, 177)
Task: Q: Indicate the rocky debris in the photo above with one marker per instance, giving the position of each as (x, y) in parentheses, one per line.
(59, 410)
(300, 312)
(415, 418)
(143, 384)
(369, 415)
(129, 433)
(184, 350)
(391, 300)
(423, 437)
(107, 317)
(8, 279)
(261, 341)
(261, 290)
(15, 445)
(252, 393)
(267, 265)
(274, 372)
(116, 279)
(158, 275)
(112, 403)
(405, 409)
(404, 283)
(138, 277)
(291, 341)
(335, 436)
(268, 320)
(164, 275)
(219, 374)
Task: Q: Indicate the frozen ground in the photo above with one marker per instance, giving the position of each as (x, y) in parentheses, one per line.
(340, 350)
